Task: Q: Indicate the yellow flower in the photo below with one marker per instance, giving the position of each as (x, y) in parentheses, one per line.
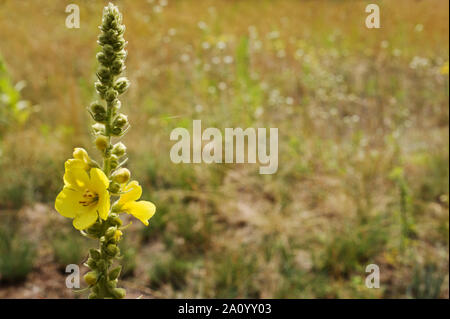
(84, 197)
(142, 210)
(81, 154)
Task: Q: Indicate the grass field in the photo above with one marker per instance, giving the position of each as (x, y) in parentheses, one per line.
(363, 119)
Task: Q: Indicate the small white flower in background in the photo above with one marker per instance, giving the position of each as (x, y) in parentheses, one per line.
(215, 60)
(212, 90)
(397, 52)
(206, 67)
(206, 45)
(198, 108)
(222, 86)
(172, 32)
(418, 62)
(333, 112)
(228, 59)
(281, 54)
(418, 27)
(202, 25)
(273, 35)
(257, 45)
(185, 57)
(355, 118)
(211, 10)
(259, 111)
(299, 53)
(254, 76)
(253, 32)
(221, 45)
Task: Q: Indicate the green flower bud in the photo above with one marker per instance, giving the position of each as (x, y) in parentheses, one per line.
(114, 187)
(114, 161)
(112, 250)
(99, 117)
(121, 176)
(96, 107)
(99, 128)
(111, 95)
(119, 149)
(94, 230)
(94, 253)
(101, 89)
(107, 37)
(117, 131)
(122, 54)
(119, 45)
(111, 284)
(115, 273)
(108, 51)
(100, 264)
(117, 67)
(116, 104)
(91, 278)
(114, 220)
(91, 263)
(121, 85)
(101, 142)
(120, 121)
(101, 57)
(104, 75)
(98, 112)
(120, 29)
(119, 293)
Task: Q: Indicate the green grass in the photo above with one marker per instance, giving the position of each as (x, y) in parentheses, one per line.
(426, 282)
(349, 251)
(234, 275)
(172, 271)
(69, 248)
(128, 259)
(17, 255)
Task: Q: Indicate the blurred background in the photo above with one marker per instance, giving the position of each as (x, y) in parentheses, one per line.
(363, 119)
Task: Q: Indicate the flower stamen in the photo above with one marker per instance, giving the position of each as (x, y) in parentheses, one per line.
(89, 198)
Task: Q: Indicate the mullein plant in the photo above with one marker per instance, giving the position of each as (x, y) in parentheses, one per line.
(95, 195)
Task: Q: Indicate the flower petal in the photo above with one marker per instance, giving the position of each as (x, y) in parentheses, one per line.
(85, 219)
(103, 204)
(67, 202)
(81, 154)
(142, 210)
(74, 163)
(132, 192)
(99, 181)
(75, 175)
